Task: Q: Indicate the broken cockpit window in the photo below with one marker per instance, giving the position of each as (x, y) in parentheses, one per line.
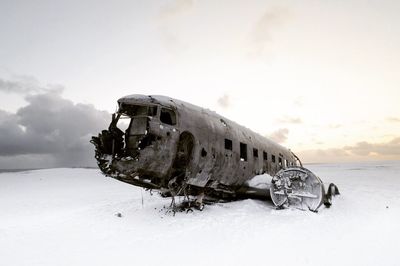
(123, 122)
(168, 116)
(138, 110)
(134, 115)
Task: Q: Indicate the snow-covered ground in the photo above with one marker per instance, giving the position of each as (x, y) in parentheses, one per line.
(68, 217)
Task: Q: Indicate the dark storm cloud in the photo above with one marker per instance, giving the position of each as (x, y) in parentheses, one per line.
(52, 125)
(279, 136)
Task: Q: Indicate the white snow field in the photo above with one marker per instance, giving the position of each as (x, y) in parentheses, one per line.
(68, 217)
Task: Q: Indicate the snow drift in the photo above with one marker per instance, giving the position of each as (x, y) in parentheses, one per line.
(70, 217)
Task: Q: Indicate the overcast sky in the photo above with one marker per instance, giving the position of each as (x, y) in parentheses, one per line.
(320, 77)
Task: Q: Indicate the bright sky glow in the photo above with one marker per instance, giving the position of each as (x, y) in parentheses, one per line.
(327, 72)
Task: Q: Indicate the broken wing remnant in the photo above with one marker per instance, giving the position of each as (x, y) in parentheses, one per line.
(157, 142)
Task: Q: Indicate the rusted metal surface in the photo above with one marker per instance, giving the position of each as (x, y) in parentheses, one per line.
(180, 148)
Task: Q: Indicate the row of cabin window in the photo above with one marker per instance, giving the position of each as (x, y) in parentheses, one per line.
(243, 152)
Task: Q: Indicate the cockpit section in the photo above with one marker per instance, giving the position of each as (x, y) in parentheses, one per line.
(140, 126)
(139, 137)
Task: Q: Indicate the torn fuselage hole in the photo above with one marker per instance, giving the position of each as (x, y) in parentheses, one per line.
(203, 152)
(223, 122)
(146, 141)
(184, 152)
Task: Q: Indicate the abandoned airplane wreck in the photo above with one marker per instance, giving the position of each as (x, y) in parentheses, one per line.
(157, 142)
